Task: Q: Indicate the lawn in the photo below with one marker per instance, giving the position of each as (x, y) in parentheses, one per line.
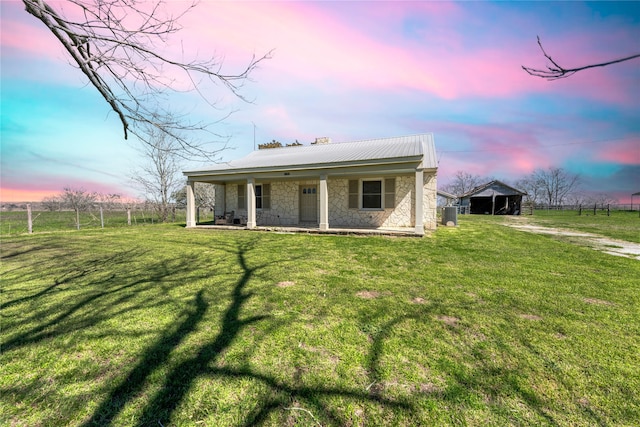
(16, 222)
(475, 325)
(624, 225)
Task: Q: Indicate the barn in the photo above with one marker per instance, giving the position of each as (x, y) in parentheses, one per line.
(492, 198)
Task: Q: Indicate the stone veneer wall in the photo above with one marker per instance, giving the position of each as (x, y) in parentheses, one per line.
(219, 206)
(285, 204)
(231, 200)
(430, 201)
(341, 216)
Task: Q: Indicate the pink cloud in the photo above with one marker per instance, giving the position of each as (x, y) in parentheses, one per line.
(316, 44)
(329, 46)
(498, 147)
(39, 42)
(49, 184)
(19, 195)
(626, 152)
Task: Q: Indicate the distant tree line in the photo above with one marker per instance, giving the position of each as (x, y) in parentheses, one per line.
(78, 199)
(277, 144)
(543, 187)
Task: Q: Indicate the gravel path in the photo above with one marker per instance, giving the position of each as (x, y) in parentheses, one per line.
(595, 241)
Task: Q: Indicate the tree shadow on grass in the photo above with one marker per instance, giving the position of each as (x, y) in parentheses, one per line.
(154, 357)
(104, 297)
(179, 381)
(312, 396)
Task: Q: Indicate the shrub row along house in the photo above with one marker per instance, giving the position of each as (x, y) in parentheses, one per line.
(378, 183)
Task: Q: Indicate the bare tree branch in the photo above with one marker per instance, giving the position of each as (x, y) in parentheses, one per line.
(553, 185)
(159, 177)
(117, 45)
(462, 183)
(555, 71)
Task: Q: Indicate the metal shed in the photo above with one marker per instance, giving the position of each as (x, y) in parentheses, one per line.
(492, 198)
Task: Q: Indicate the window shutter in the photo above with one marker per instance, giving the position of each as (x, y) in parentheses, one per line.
(266, 196)
(390, 193)
(242, 199)
(353, 194)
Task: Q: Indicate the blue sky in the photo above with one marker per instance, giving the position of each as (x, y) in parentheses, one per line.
(351, 71)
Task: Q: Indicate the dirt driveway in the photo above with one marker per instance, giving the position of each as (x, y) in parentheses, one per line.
(594, 241)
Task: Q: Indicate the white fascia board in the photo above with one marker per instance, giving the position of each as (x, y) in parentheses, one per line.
(329, 167)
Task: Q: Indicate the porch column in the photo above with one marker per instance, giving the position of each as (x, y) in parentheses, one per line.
(324, 203)
(493, 203)
(251, 203)
(191, 204)
(419, 202)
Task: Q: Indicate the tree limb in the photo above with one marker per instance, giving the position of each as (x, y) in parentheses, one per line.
(117, 44)
(556, 71)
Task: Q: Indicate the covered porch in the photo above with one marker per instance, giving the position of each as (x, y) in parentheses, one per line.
(382, 231)
(308, 202)
(386, 183)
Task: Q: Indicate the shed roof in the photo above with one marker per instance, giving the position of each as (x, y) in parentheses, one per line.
(403, 148)
(483, 187)
(446, 194)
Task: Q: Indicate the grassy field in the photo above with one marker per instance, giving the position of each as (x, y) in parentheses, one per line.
(623, 225)
(475, 325)
(15, 222)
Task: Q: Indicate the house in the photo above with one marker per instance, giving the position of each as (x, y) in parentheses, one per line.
(446, 199)
(495, 198)
(377, 183)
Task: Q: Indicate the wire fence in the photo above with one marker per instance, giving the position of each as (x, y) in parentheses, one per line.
(566, 210)
(17, 221)
(581, 209)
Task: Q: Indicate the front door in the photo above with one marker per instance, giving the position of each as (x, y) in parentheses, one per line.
(309, 204)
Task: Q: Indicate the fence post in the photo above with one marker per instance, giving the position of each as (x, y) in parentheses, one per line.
(101, 217)
(29, 219)
(128, 216)
(198, 214)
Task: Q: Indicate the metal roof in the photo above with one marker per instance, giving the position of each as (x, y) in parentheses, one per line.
(403, 148)
(446, 194)
(483, 187)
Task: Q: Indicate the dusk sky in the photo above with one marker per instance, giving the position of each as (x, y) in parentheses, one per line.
(352, 71)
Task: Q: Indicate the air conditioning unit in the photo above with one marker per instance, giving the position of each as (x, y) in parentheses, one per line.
(450, 215)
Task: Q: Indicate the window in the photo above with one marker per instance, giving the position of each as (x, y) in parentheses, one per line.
(263, 196)
(371, 193)
(258, 196)
(242, 199)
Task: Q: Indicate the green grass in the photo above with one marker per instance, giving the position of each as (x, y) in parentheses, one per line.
(623, 225)
(16, 222)
(478, 325)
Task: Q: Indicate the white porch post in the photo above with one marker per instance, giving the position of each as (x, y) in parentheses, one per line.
(191, 204)
(419, 202)
(324, 203)
(251, 203)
